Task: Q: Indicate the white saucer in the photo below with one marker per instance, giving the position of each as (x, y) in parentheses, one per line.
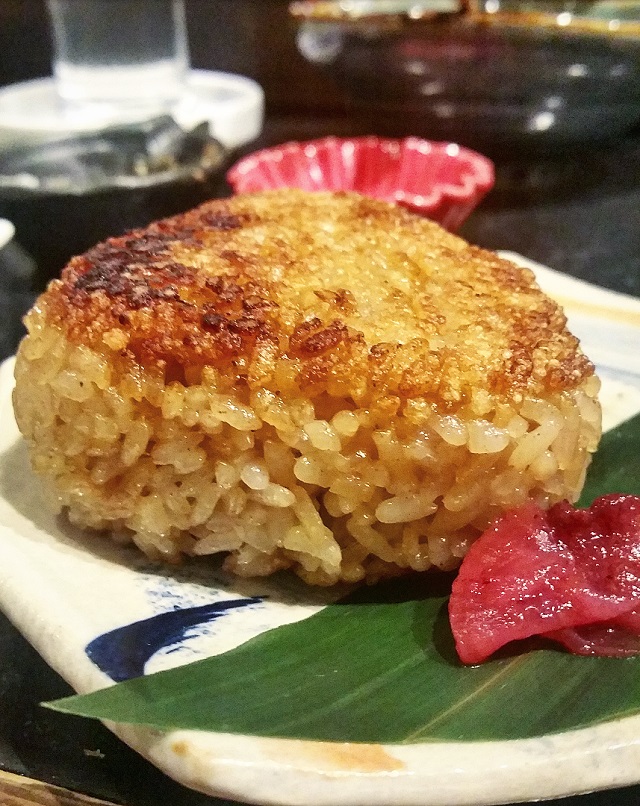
(234, 106)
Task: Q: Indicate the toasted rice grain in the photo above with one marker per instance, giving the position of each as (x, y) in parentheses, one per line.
(182, 469)
(321, 382)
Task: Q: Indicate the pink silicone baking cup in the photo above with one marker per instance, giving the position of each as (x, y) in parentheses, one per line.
(442, 181)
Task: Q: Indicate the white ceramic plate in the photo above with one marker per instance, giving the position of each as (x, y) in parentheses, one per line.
(63, 589)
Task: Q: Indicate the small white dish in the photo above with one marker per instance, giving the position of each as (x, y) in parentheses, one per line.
(56, 581)
(32, 112)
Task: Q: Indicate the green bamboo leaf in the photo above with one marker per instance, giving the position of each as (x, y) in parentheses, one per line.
(381, 666)
(616, 465)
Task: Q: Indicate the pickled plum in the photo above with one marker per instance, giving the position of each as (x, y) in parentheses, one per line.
(570, 575)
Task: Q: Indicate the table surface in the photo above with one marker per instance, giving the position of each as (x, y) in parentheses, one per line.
(578, 213)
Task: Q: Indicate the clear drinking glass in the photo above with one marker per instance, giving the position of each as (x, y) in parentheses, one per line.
(120, 52)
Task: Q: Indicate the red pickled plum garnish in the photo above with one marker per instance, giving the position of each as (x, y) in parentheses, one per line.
(571, 575)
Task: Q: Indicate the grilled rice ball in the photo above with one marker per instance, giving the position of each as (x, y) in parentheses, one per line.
(319, 382)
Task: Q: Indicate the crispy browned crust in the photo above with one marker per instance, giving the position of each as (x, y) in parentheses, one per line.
(311, 293)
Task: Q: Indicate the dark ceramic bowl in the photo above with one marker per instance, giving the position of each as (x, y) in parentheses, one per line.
(66, 195)
(486, 76)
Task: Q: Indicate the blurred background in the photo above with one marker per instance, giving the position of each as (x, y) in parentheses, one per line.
(255, 38)
(370, 74)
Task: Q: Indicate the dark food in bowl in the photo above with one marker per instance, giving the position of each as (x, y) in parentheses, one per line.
(65, 195)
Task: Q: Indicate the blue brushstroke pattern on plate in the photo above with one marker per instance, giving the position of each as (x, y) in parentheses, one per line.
(123, 653)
